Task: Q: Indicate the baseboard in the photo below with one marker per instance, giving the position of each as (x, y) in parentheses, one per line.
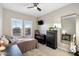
(63, 49)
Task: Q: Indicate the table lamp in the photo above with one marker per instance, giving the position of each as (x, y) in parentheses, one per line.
(2, 46)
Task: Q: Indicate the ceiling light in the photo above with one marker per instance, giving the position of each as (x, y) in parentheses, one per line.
(35, 8)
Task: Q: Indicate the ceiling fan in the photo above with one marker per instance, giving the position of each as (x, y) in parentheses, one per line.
(35, 5)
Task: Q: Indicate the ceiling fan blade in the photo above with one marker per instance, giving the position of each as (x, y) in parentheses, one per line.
(31, 7)
(38, 9)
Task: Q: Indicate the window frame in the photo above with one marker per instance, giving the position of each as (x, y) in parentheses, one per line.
(22, 30)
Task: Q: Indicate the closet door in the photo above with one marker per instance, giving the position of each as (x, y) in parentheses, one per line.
(27, 28)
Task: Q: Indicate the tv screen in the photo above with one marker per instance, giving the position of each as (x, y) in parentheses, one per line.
(40, 22)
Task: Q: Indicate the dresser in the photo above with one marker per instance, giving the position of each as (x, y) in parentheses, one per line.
(51, 39)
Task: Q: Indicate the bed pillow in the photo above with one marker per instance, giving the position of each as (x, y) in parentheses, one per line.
(13, 41)
(9, 38)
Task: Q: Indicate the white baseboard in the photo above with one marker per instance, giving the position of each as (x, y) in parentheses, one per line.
(63, 49)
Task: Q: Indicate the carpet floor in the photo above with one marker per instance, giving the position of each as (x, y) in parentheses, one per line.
(43, 50)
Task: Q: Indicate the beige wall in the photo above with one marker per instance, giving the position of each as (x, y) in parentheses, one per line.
(8, 14)
(77, 29)
(55, 17)
(1, 18)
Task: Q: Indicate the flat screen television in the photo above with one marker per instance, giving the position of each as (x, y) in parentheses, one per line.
(40, 22)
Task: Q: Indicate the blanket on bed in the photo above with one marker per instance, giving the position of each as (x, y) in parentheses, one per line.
(26, 44)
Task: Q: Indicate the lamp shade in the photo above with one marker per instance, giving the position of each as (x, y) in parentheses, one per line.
(2, 47)
(1, 41)
(6, 42)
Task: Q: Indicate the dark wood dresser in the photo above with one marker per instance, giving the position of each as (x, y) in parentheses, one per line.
(51, 39)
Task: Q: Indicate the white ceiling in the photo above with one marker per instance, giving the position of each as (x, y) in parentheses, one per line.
(22, 8)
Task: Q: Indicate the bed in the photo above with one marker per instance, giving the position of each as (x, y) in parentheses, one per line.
(26, 44)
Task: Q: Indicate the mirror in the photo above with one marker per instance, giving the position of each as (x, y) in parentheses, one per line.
(68, 24)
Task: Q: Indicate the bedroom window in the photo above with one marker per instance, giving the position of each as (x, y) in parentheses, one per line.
(27, 28)
(21, 28)
(16, 27)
